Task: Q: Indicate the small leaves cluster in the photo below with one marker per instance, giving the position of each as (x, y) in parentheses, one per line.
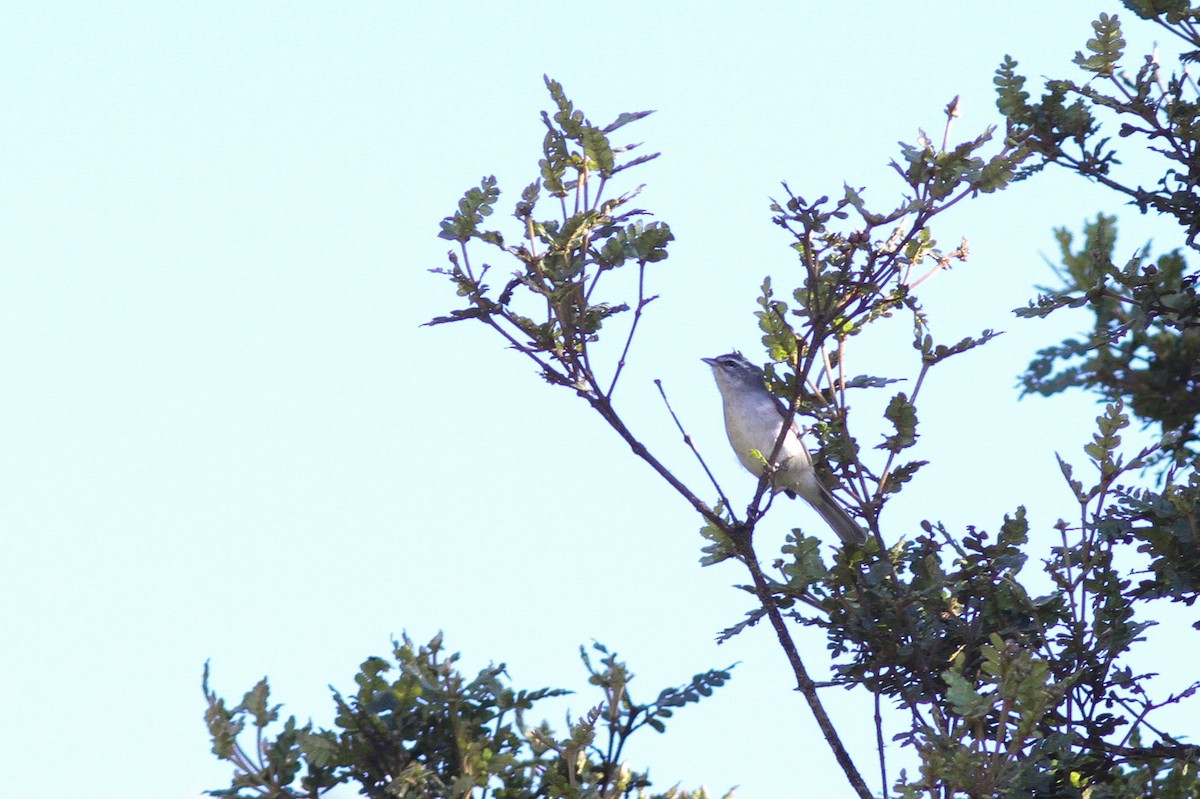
(1038, 696)
(418, 727)
(902, 613)
(857, 267)
(998, 743)
(1145, 338)
(1155, 112)
(945, 628)
(1163, 526)
(1112, 703)
(1140, 357)
(1038, 699)
(622, 715)
(271, 767)
(1105, 48)
(1028, 693)
(550, 307)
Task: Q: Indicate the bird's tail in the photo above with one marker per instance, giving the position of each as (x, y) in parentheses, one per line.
(833, 514)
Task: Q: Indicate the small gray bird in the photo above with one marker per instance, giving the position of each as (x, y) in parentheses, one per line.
(753, 418)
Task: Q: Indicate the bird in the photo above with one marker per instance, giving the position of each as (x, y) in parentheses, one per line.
(753, 418)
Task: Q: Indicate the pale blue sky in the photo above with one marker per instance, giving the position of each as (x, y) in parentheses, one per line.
(226, 436)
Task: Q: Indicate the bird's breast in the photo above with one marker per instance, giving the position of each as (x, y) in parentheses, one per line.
(756, 427)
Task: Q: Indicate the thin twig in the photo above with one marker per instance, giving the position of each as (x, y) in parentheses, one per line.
(952, 113)
(879, 745)
(804, 683)
(687, 439)
(887, 466)
(603, 407)
(642, 302)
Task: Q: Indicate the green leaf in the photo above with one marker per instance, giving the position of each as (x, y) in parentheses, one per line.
(900, 475)
(941, 352)
(778, 336)
(1011, 97)
(1150, 9)
(1068, 473)
(966, 701)
(598, 150)
(320, 748)
(805, 568)
(639, 241)
(1106, 47)
(554, 165)
(457, 315)
(870, 381)
(641, 159)
(255, 703)
(720, 546)
(903, 416)
(223, 725)
(624, 119)
(476, 204)
(569, 120)
(996, 174)
(1015, 529)
(529, 198)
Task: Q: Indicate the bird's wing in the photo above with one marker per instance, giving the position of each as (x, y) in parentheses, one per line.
(782, 407)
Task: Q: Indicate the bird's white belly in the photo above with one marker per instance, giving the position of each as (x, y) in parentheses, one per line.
(759, 431)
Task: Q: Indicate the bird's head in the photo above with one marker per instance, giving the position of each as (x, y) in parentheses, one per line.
(733, 369)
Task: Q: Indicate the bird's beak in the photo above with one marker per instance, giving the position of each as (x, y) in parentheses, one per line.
(710, 361)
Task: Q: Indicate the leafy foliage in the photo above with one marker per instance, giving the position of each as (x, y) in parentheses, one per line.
(858, 266)
(550, 307)
(417, 727)
(1145, 340)
(1002, 690)
(1157, 113)
(1144, 343)
(1005, 690)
